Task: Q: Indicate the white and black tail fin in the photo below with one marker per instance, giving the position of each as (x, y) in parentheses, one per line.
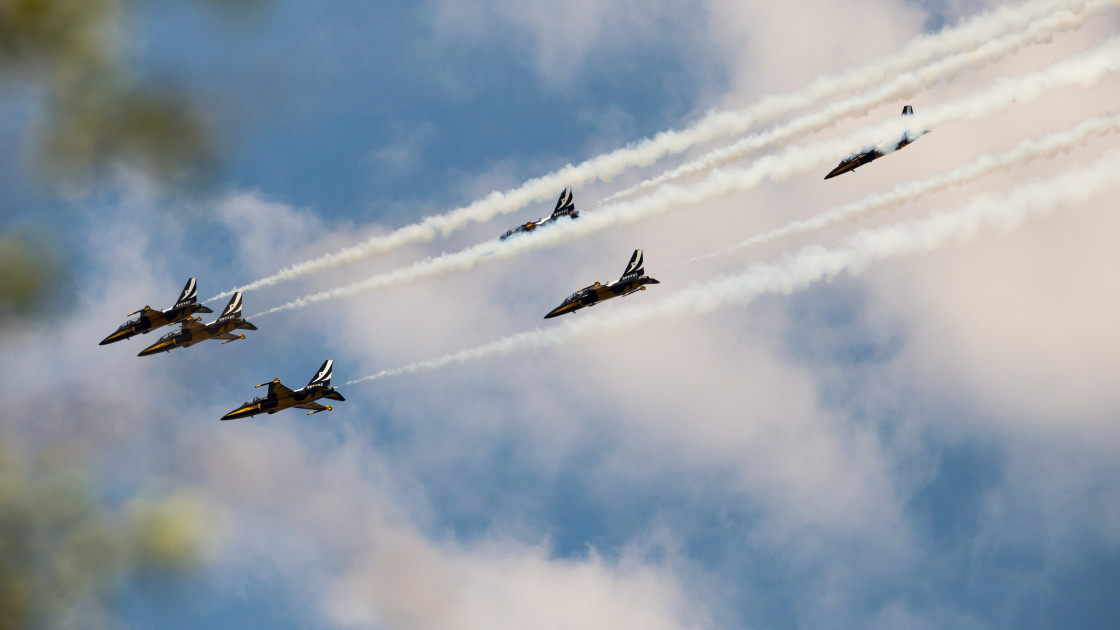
(189, 294)
(323, 376)
(565, 205)
(636, 268)
(907, 110)
(233, 309)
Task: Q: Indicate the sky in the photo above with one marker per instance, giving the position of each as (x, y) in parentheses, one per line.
(903, 418)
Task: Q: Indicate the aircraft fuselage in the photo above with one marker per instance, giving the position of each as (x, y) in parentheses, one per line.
(188, 337)
(150, 319)
(271, 404)
(592, 295)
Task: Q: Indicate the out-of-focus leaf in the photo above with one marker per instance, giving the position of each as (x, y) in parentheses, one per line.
(100, 126)
(64, 557)
(99, 116)
(27, 273)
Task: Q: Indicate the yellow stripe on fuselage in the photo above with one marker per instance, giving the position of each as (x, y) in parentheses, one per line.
(565, 309)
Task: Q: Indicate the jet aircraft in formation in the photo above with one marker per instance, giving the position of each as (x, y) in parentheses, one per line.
(150, 318)
(870, 154)
(565, 207)
(632, 280)
(280, 397)
(193, 331)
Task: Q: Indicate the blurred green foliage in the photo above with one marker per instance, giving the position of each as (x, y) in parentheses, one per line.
(64, 558)
(28, 272)
(98, 114)
(57, 35)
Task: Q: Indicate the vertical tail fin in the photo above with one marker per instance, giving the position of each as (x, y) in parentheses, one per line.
(233, 309)
(189, 294)
(636, 268)
(565, 205)
(323, 376)
(907, 111)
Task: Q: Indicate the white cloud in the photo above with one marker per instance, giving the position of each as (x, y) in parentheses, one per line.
(565, 37)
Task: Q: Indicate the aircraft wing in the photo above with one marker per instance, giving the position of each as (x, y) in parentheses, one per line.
(314, 406)
(193, 325)
(279, 390)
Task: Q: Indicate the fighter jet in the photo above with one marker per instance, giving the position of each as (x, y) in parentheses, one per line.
(870, 154)
(632, 281)
(194, 331)
(565, 207)
(280, 397)
(150, 318)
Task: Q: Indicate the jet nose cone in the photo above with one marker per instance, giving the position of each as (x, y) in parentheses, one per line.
(107, 340)
(241, 412)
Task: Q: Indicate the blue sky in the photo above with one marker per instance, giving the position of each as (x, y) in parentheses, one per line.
(926, 443)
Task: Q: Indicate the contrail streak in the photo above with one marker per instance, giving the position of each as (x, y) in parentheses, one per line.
(1084, 70)
(963, 37)
(1032, 149)
(812, 264)
(901, 86)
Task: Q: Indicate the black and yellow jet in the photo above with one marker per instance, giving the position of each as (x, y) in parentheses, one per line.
(193, 330)
(632, 280)
(150, 318)
(870, 154)
(565, 207)
(280, 397)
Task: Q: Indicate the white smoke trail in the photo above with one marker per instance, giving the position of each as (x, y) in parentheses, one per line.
(1032, 149)
(812, 264)
(901, 86)
(1083, 70)
(963, 37)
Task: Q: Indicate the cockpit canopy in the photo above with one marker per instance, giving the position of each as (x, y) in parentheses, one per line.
(255, 400)
(169, 335)
(575, 297)
(129, 323)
